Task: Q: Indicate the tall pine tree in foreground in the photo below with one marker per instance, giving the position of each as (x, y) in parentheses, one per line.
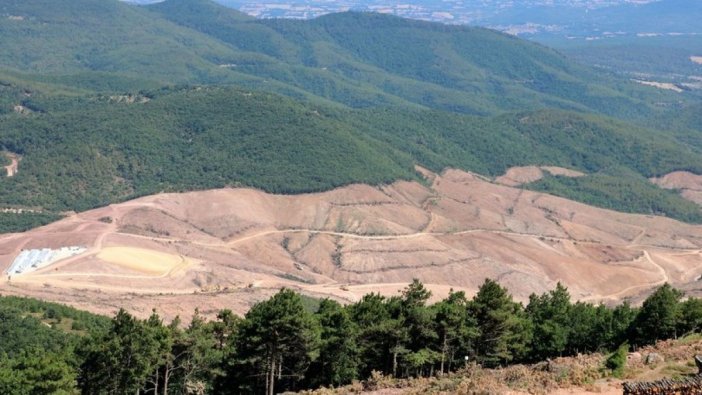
(276, 342)
(550, 316)
(658, 316)
(456, 330)
(505, 332)
(338, 354)
(121, 360)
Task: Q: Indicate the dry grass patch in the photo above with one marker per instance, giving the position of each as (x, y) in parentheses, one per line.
(543, 378)
(142, 260)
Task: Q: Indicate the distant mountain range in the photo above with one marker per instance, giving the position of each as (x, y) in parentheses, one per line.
(355, 59)
(660, 17)
(577, 18)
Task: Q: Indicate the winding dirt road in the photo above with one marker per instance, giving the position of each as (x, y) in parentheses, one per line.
(50, 271)
(452, 234)
(626, 291)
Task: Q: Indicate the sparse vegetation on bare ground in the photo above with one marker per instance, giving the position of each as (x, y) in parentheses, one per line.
(582, 374)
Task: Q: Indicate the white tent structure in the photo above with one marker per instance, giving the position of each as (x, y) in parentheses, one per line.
(30, 260)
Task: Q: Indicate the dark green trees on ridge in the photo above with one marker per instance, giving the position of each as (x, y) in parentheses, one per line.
(280, 345)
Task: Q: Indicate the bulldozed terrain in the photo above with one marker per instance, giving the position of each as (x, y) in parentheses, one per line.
(688, 184)
(229, 248)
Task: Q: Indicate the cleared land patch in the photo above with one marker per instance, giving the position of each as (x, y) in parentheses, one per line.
(13, 167)
(520, 175)
(233, 247)
(688, 184)
(696, 59)
(661, 85)
(142, 260)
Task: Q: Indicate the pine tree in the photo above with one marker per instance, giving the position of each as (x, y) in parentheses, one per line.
(456, 330)
(418, 321)
(623, 317)
(378, 333)
(196, 356)
(276, 342)
(549, 314)
(121, 360)
(338, 355)
(504, 330)
(658, 316)
(690, 319)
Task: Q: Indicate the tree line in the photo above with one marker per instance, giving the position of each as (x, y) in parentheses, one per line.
(281, 345)
(187, 138)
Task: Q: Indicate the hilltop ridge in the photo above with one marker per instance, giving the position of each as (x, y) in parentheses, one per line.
(184, 139)
(355, 59)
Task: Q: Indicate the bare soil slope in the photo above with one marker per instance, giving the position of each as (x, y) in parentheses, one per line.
(520, 175)
(232, 247)
(11, 169)
(689, 184)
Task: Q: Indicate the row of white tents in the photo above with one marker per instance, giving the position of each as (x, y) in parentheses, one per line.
(30, 260)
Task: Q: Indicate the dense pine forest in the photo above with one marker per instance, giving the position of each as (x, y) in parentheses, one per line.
(287, 343)
(84, 151)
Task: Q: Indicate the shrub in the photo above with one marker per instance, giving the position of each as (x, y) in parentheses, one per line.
(616, 362)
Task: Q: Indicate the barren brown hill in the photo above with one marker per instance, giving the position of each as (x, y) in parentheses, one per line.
(232, 247)
(520, 175)
(689, 184)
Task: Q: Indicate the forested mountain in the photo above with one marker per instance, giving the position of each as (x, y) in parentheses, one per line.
(357, 59)
(365, 97)
(454, 68)
(80, 152)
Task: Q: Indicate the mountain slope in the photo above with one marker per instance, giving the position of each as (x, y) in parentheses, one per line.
(84, 151)
(354, 59)
(81, 149)
(109, 148)
(231, 247)
(453, 68)
(50, 36)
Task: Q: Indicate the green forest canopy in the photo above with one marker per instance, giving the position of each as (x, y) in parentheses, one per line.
(355, 59)
(84, 151)
(282, 345)
(104, 119)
